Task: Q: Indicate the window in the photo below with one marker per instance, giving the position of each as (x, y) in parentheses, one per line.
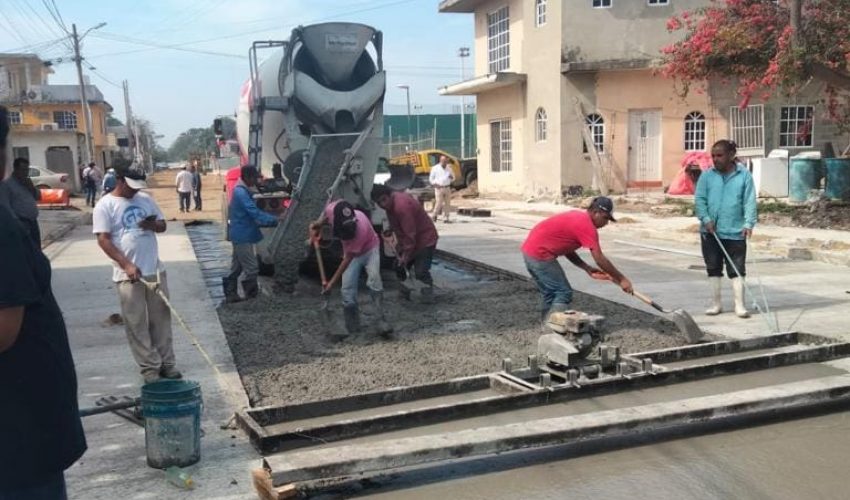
(658, 2)
(601, 4)
(15, 117)
(65, 119)
(540, 9)
(500, 145)
(695, 131)
(540, 125)
(746, 128)
(796, 126)
(596, 127)
(498, 40)
(23, 152)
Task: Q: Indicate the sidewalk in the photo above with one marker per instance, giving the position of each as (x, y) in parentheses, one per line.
(808, 296)
(114, 466)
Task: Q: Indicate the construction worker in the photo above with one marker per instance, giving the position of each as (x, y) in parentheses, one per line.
(416, 236)
(563, 234)
(725, 204)
(126, 222)
(40, 427)
(245, 223)
(196, 186)
(441, 178)
(183, 183)
(361, 250)
(23, 197)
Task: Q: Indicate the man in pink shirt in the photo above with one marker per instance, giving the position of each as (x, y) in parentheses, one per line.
(416, 236)
(563, 234)
(361, 250)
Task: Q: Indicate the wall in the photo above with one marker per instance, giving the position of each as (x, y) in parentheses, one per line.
(517, 12)
(620, 91)
(38, 142)
(30, 118)
(506, 102)
(629, 29)
(576, 168)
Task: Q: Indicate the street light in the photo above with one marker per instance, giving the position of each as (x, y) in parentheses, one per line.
(463, 53)
(83, 100)
(417, 108)
(406, 89)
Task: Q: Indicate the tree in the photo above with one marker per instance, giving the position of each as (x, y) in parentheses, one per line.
(767, 46)
(111, 121)
(199, 140)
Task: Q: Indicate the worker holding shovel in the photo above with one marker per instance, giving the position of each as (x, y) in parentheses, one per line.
(361, 250)
(725, 204)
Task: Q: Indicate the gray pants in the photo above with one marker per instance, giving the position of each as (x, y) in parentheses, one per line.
(244, 261)
(147, 321)
(442, 202)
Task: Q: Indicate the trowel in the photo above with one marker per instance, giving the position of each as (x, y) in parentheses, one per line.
(684, 322)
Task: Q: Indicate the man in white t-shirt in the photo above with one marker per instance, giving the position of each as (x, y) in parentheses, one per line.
(441, 179)
(126, 222)
(184, 188)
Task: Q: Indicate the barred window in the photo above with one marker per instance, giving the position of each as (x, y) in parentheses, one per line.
(65, 119)
(596, 127)
(15, 117)
(540, 125)
(540, 10)
(601, 4)
(695, 131)
(500, 145)
(498, 40)
(796, 126)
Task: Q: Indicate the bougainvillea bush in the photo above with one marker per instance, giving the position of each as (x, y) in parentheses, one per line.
(752, 42)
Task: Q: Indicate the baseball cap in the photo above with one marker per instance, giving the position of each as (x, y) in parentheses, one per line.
(345, 222)
(604, 204)
(133, 175)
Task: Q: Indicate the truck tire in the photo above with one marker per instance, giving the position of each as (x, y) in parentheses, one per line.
(470, 177)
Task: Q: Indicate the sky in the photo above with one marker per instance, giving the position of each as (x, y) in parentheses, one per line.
(185, 60)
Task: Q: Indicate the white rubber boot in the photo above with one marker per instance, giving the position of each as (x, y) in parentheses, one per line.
(716, 304)
(738, 288)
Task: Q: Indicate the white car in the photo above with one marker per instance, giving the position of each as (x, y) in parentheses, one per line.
(46, 179)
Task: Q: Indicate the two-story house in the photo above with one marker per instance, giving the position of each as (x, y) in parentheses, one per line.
(546, 68)
(47, 125)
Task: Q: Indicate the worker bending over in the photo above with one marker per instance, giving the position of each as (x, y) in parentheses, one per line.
(416, 236)
(563, 234)
(361, 250)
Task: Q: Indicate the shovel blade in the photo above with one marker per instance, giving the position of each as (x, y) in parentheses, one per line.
(686, 324)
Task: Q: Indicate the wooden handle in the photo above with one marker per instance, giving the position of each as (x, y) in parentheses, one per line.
(647, 300)
(320, 263)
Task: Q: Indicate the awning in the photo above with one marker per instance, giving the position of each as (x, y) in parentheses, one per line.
(482, 84)
(608, 65)
(460, 6)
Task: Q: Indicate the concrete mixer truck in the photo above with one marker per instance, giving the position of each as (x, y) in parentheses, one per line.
(311, 120)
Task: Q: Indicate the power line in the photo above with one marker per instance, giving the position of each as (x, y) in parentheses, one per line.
(124, 39)
(54, 13)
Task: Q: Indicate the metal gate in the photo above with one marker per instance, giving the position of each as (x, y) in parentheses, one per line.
(645, 148)
(746, 128)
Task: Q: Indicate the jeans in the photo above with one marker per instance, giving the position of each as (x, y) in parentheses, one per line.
(714, 258)
(52, 489)
(371, 261)
(91, 193)
(421, 264)
(197, 195)
(185, 200)
(244, 261)
(551, 281)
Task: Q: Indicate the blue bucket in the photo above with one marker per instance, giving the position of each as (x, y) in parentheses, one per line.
(804, 176)
(172, 411)
(838, 179)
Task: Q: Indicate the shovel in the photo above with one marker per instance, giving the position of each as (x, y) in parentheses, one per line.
(323, 276)
(684, 322)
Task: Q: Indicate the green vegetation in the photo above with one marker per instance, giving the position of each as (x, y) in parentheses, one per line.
(199, 140)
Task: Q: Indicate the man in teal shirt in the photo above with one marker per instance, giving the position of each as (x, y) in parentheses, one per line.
(725, 203)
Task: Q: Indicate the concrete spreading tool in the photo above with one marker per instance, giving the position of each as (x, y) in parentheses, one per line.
(684, 322)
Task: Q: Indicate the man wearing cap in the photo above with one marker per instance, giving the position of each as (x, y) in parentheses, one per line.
(361, 250)
(244, 232)
(126, 222)
(563, 234)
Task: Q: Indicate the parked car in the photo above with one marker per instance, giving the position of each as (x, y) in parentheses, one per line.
(46, 179)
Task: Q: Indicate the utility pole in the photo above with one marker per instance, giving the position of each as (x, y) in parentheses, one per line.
(131, 141)
(89, 153)
(406, 88)
(463, 53)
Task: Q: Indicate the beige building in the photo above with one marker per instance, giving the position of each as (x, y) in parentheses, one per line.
(545, 69)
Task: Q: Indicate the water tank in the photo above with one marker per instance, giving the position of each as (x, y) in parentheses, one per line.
(838, 178)
(770, 176)
(805, 175)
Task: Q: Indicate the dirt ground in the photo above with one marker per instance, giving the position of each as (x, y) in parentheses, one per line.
(283, 353)
(162, 187)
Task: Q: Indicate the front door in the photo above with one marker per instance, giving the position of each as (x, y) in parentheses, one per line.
(644, 148)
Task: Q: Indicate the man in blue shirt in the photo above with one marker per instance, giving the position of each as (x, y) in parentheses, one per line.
(245, 223)
(725, 203)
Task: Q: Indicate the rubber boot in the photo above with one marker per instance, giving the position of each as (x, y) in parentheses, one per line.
(427, 294)
(738, 288)
(251, 288)
(716, 305)
(385, 330)
(231, 292)
(352, 319)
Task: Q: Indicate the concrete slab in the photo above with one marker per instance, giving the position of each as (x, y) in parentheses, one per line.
(807, 296)
(114, 465)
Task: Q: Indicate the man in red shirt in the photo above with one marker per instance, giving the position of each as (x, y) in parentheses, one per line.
(415, 234)
(563, 234)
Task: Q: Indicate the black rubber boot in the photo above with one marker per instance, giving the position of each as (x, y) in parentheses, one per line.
(251, 288)
(231, 292)
(352, 319)
(385, 330)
